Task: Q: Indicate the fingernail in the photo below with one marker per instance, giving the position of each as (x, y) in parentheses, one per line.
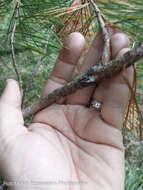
(9, 80)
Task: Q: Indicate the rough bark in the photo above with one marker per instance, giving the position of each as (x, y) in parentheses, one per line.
(94, 76)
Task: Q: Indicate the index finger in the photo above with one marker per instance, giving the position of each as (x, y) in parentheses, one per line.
(83, 96)
(66, 62)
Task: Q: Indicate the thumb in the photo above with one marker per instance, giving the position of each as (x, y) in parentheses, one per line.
(11, 119)
(11, 94)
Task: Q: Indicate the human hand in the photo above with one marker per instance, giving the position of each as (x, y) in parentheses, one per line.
(68, 141)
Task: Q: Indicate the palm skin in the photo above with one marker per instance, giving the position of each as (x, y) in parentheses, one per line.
(68, 141)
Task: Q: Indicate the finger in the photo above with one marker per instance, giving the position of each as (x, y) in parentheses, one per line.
(10, 111)
(114, 96)
(64, 66)
(118, 41)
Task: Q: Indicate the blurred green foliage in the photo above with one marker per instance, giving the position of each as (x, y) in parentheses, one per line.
(134, 179)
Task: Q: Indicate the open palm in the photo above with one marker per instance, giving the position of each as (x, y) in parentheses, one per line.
(69, 145)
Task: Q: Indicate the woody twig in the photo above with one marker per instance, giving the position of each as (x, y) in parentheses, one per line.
(106, 37)
(16, 16)
(94, 76)
(37, 68)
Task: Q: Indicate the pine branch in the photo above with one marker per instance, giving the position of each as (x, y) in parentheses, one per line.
(16, 15)
(37, 68)
(94, 76)
(106, 37)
